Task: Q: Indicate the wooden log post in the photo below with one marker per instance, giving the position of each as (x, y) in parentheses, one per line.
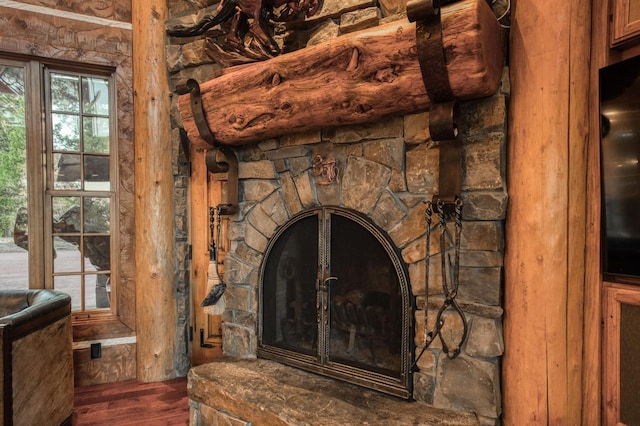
(356, 78)
(154, 253)
(545, 228)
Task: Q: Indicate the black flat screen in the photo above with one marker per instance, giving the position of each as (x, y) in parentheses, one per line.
(620, 144)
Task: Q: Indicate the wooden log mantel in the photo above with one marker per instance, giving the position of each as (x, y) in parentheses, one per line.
(356, 78)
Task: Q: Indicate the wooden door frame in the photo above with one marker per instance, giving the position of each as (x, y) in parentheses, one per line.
(592, 354)
(205, 191)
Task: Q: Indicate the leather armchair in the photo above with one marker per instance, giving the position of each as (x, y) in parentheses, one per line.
(37, 357)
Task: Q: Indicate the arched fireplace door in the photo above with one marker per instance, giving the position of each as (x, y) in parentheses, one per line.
(335, 300)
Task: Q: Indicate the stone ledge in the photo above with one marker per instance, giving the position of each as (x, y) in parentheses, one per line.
(262, 392)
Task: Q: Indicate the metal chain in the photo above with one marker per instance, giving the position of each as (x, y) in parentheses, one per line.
(215, 220)
(450, 284)
(219, 210)
(213, 251)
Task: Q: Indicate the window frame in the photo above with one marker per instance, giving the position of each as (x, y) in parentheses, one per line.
(39, 155)
(50, 192)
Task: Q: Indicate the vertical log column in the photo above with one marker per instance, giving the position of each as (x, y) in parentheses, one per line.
(545, 231)
(155, 272)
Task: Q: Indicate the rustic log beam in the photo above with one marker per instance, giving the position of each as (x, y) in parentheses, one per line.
(545, 227)
(357, 78)
(154, 243)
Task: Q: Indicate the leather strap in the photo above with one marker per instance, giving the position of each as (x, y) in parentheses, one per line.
(426, 14)
(220, 159)
(197, 110)
(223, 160)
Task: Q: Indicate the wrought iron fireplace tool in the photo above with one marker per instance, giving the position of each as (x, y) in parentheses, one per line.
(447, 204)
(219, 159)
(214, 297)
(450, 273)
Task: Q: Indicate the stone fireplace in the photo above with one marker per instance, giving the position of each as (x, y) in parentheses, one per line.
(385, 173)
(326, 272)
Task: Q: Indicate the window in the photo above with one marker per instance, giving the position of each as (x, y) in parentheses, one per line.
(56, 221)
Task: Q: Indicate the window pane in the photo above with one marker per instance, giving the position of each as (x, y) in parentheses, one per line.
(95, 96)
(103, 291)
(97, 213)
(80, 113)
(14, 264)
(365, 300)
(66, 171)
(66, 254)
(90, 288)
(66, 132)
(97, 251)
(96, 172)
(96, 135)
(290, 289)
(97, 291)
(64, 93)
(66, 214)
(72, 285)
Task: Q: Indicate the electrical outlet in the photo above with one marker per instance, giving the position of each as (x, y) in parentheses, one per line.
(96, 350)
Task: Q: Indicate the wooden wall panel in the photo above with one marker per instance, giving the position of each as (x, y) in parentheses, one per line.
(117, 363)
(117, 10)
(56, 37)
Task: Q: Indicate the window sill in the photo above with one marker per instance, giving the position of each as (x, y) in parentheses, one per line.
(99, 327)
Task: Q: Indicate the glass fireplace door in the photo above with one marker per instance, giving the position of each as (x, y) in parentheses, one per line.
(289, 295)
(364, 300)
(335, 299)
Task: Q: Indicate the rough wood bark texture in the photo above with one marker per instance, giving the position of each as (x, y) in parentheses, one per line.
(154, 248)
(357, 78)
(545, 228)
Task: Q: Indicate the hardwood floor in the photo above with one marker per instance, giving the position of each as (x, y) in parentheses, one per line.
(132, 403)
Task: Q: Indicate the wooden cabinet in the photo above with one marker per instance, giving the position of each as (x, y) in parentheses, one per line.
(625, 25)
(621, 354)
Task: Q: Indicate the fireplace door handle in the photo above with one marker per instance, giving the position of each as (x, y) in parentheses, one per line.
(202, 343)
(326, 282)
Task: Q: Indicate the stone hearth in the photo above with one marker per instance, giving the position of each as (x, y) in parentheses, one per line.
(260, 392)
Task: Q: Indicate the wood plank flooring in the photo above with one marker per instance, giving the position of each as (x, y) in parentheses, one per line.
(132, 403)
